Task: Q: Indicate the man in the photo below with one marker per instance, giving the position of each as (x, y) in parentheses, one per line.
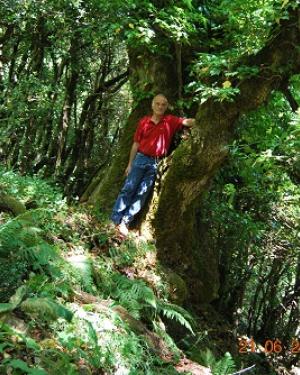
(152, 140)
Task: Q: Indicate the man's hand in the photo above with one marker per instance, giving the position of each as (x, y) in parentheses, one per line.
(189, 122)
(127, 170)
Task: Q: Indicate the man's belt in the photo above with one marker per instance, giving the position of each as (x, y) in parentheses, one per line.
(151, 157)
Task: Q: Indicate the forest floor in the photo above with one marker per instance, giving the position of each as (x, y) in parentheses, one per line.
(78, 299)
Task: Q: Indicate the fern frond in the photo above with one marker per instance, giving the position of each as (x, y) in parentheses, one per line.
(207, 358)
(178, 313)
(224, 366)
(134, 295)
(24, 241)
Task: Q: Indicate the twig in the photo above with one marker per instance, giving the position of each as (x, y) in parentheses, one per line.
(244, 370)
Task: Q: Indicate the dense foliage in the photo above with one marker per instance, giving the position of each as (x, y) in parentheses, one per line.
(60, 69)
(253, 216)
(76, 299)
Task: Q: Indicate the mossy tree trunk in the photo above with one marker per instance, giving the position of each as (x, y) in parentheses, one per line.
(195, 161)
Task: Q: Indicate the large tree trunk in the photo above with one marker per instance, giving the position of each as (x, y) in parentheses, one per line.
(194, 163)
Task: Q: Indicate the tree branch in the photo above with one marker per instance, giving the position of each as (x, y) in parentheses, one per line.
(284, 88)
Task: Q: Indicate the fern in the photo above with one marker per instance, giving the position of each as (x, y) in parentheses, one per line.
(8, 339)
(134, 295)
(224, 366)
(20, 239)
(83, 272)
(96, 355)
(177, 313)
(12, 273)
(207, 358)
(18, 364)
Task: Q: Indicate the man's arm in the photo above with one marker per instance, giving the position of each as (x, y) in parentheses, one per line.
(188, 122)
(133, 151)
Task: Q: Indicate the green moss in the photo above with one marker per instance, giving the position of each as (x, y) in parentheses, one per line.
(176, 287)
(11, 204)
(179, 243)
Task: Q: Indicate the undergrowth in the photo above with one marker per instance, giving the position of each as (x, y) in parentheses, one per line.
(55, 252)
(64, 275)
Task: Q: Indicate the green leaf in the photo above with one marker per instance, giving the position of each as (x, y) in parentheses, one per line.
(46, 309)
(5, 345)
(16, 299)
(177, 313)
(5, 307)
(19, 364)
(151, 300)
(31, 344)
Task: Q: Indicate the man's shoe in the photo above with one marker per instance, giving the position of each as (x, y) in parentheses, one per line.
(122, 228)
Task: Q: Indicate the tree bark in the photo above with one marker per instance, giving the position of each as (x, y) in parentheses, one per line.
(70, 96)
(289, 96)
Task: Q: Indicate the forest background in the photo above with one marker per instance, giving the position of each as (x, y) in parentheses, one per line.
(223, 222)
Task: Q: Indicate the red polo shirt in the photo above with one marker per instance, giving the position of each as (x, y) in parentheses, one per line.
(155, 139)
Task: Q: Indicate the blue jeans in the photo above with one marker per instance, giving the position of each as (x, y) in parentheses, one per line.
(135, 190)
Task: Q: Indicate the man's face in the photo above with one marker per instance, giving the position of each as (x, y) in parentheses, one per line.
(159, 105)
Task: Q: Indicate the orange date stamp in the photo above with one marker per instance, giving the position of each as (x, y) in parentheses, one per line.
(269, 346)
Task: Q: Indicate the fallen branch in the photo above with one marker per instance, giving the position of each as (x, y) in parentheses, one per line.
(244, 370)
